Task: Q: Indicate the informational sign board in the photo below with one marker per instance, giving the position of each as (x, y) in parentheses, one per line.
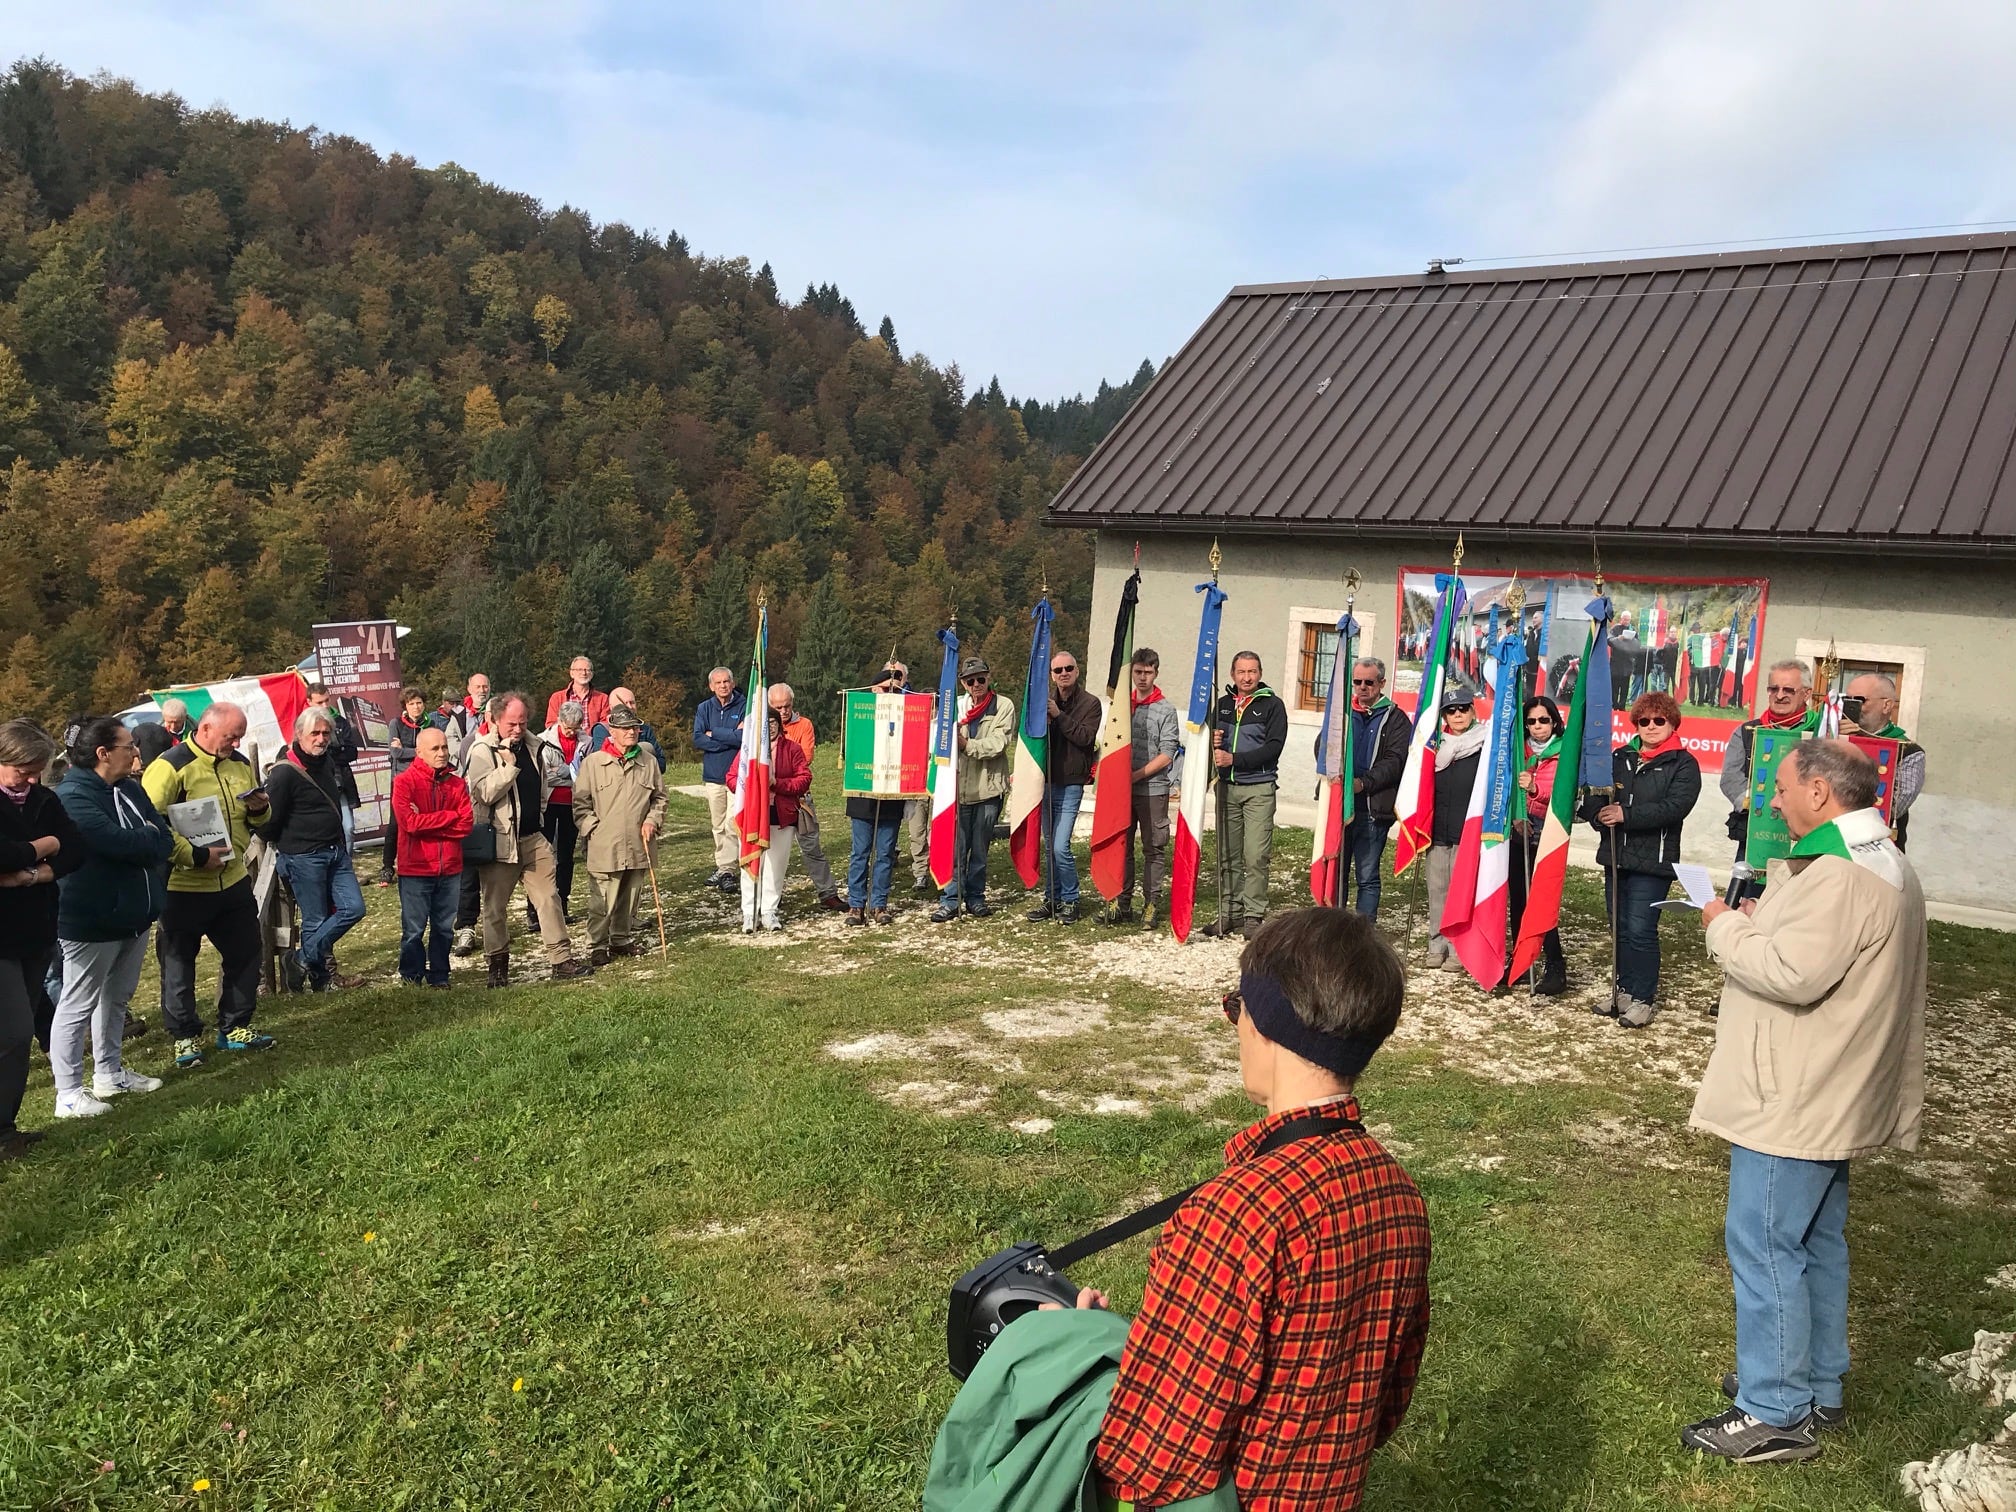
(358, 663)
(1886, 754)
(1768, 838)
(1695, 638)
(885, 744)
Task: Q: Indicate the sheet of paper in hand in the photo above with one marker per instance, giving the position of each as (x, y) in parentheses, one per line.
(1695, 882)
(200, 821)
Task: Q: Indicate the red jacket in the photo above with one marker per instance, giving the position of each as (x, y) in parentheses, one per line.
(434, 819)
(790, 780)
(594, 707)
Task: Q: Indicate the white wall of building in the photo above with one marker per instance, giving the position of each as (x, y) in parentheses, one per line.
(1952, 624)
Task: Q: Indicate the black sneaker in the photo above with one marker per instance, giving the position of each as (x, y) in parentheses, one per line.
(943, 915)
(1043, 913)
(1825, 1419)
(292, 972)
(1741, 1439)
(1218, 927)
(923, 887)
(1067, 913)
(978, 910)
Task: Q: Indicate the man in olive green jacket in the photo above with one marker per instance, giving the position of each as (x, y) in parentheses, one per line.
(619, 807)
(209, 891)
(986, 734)
(1819, 1057)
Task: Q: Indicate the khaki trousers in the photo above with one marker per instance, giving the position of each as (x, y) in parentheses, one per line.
(817, 868)
(1249, 843)
(612, 906)
(917, 818)
(727, 848)
(534, 867)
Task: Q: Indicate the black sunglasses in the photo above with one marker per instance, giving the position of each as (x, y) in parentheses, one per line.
(1653, 719)
(1533, 719)
(1364, 682)
(975, 680)
(1777, 692)
(1061, 670)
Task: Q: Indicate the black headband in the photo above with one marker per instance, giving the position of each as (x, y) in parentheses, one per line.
(1276, 1019)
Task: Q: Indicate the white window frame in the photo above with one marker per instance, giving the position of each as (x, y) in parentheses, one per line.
(1291, 660)
(1910, 659)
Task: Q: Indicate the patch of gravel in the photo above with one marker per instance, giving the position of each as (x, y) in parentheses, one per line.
(1033, 1125)
(948, 1099)
(2004, 1279)
(1980, 1477)
(1048, 1021)
(1108, 1104)
(1641, 1141)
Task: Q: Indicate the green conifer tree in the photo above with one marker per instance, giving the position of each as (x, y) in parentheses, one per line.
(724, 631)
(595, 614)
(829, 655)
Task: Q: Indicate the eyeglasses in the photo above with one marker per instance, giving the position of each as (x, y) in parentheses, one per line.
(1060, 671)
(1364, 682)
(1781, 692)
(974, 682)
(1541, 719)
(1653, 719)
(1233, 1004)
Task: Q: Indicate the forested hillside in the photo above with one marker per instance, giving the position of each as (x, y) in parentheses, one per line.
(253, 377)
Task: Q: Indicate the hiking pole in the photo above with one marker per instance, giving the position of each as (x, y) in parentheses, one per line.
(657, 902)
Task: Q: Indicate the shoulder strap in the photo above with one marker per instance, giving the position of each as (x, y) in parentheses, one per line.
(1310, 1126)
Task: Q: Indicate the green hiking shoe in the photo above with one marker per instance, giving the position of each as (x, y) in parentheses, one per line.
(188, 1053)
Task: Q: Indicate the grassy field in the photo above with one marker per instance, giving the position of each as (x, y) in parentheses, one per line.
(680, 1236)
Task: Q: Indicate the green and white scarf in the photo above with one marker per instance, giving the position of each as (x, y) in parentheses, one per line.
(1860, 836)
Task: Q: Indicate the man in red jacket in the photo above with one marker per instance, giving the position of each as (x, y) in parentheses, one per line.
(580, 689)
(434, 818)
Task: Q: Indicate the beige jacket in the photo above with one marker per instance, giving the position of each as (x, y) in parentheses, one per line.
(493, 786)
(1820, 1047)
(990, 746)
(613, 800)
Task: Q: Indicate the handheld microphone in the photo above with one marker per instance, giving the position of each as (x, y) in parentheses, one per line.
(1739, 874)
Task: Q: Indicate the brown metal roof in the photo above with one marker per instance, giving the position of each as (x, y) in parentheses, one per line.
(1858, 395)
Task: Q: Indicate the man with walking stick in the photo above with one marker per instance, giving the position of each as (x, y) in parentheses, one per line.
(619, 805)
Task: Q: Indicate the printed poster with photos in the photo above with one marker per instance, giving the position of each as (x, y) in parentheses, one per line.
(359, 665)
(1695, 638)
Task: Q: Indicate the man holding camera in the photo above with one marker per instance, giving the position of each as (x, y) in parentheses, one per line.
(1869, 702)
(1287, 1299)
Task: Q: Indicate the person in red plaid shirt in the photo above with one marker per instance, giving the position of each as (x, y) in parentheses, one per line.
(1287, 1301)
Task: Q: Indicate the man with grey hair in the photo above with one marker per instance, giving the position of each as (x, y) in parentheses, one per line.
(1870, 703)
(717, 735)
(1819, 1057)
(1788, 705)
(563, 746)
(309, 845)
(154, 739)
(1379, 733)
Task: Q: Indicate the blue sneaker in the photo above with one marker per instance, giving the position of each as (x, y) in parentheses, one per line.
(244, 1039)
(188, 1053)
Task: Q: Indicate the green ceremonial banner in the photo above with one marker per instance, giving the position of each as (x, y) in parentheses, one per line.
(1768, 839)
(885, 744)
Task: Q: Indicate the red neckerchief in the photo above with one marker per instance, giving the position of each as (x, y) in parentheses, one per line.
(1154, 696)
(608, 748)
(1240, 700)
(470, 704)
(409, 723)
(980, 707)
(1791, 721)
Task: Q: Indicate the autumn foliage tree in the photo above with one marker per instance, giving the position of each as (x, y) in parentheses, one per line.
(253, 377)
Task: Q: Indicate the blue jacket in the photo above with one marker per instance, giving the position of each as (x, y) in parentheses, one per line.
(123, 883)
(717, 735)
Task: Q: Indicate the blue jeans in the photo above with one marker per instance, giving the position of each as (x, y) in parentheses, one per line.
(874, 846)
(1638, 930)
(976, 834)
(331, 902)
(1364, 845)
(1787, 1239)
(424, 901)
(1062, 804)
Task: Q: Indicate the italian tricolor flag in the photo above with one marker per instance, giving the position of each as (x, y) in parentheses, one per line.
(1550, 862)
(1474, 916)
(1414, 804)
(1187, 849)
(945, 763)
(750, 802)
(1025, 778)
(1113, 794)
(1333, 770)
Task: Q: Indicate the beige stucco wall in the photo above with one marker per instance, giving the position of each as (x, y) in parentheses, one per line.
(1960, 616)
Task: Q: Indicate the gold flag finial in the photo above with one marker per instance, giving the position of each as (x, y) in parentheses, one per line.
(1457, 564)
(1351, 581)
(1217, 559)
(1597, 552)
(1515, 594)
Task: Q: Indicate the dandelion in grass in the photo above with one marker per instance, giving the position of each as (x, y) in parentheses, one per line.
(370, 1236)
(200, 1486)
(519, 1384)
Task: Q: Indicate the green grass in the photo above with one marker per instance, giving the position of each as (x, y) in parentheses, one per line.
(644, 1243)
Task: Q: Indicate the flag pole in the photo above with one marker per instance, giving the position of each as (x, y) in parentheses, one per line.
(958, 830)
(1045, 842)
(1612, 898)
(1352, 580)
(1414, 892)
(1515, 600)
(1223, 795)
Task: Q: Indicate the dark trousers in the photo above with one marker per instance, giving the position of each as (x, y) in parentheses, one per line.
(1637, 929)
(425, 901)
(1364, 845)
(230, 921)
(558, 827)
(469, 905)
(975, 834)
(388, 848)
(20, 981)
(1149, 818)
(1524, 844)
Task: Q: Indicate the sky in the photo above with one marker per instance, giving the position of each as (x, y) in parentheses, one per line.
(1049, 193)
